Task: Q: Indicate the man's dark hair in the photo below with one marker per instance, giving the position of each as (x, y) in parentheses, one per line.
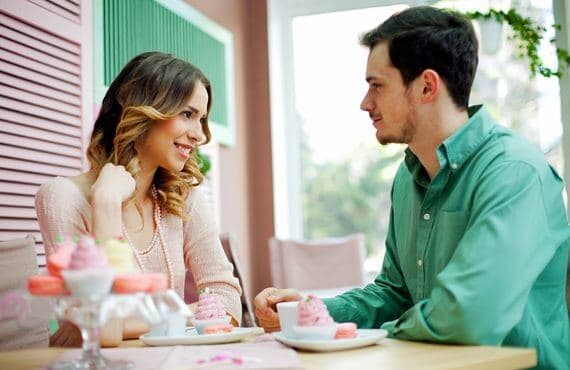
(421, 38)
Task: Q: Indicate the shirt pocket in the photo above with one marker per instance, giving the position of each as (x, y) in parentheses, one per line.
(449, 228)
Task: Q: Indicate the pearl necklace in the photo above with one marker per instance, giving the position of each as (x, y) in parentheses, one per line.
(158, 234)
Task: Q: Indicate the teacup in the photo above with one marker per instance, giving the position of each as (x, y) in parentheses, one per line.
(288, 314)
(173, 325)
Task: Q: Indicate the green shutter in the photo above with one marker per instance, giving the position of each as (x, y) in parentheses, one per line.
(131, 27)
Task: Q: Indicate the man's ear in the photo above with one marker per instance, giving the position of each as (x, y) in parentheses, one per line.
(430, 85)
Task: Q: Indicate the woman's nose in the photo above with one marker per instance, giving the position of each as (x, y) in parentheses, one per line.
(196, 133)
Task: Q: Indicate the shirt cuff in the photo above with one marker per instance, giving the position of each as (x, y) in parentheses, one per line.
(389, 326)
(341, 310)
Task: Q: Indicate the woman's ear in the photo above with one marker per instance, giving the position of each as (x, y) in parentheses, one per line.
(430, 82)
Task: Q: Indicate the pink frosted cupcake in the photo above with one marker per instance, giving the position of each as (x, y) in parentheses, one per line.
(210, 312)
(314, 321)
(88, 275)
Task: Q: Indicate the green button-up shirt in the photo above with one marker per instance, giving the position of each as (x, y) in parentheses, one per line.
(479, 254)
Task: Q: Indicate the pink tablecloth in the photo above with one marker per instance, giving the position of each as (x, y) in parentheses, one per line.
(259, 355)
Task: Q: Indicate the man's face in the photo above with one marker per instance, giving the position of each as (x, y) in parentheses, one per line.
(388, 101)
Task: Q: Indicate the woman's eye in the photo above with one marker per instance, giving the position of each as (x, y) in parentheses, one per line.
(187, 114)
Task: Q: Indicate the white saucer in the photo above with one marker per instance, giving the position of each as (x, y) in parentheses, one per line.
(364, 337)
(192, 337)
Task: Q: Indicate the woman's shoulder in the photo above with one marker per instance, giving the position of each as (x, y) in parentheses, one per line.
(198, 207)
(60, 189)
(195, 198)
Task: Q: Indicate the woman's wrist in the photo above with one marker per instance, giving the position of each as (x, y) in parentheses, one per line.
(103, 199)
(107, 213)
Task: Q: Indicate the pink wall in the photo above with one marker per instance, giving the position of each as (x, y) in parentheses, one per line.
(246, 186)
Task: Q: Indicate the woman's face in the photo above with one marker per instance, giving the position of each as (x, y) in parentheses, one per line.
(169, 143)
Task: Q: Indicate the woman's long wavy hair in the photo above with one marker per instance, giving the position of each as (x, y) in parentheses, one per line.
(151, 87)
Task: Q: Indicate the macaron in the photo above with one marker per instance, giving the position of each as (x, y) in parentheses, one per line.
(131, 283)
(345, 330)
(46, 285)
(218, 329)
(158, 282)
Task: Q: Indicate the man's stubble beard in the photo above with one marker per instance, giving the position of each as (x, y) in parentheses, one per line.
(408, 130)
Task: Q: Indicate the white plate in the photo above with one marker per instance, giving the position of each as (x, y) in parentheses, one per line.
(364, 337)
(192, 337)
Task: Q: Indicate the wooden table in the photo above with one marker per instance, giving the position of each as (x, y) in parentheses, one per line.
(390, 354)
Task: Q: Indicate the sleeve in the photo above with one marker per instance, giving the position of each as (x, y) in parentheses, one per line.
(385, 299)
(59, 213)
(205, 257)
(480, 295)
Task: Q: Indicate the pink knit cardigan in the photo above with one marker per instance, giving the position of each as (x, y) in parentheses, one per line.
(192, 245)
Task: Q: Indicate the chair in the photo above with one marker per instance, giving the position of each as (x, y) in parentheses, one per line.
(230, 248)
(328, 264)
(17, 262)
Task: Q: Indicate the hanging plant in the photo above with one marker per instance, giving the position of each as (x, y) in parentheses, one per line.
(528, 34)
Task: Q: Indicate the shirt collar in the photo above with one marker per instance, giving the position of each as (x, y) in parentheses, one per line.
(458, 147)
(468, 138)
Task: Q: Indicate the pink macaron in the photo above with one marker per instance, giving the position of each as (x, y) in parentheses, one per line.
(131, 283)
(46, 285)
(345, 330)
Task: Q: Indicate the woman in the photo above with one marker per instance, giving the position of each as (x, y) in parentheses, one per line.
(143, 178)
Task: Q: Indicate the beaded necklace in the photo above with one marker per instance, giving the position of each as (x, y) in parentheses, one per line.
(158, 235)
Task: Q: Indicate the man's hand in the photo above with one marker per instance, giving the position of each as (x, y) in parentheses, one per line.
(68, 335)
(265, 306)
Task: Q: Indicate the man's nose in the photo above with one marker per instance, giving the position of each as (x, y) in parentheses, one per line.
(367, 104)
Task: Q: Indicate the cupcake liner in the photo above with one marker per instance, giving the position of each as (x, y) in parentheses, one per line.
(90, 282)
(200, 325)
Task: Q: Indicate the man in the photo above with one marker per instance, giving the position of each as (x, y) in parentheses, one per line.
(477, 246)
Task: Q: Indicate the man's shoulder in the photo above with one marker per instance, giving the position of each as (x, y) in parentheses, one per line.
(506, 147)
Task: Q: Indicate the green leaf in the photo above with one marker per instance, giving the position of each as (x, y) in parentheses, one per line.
(204, 163)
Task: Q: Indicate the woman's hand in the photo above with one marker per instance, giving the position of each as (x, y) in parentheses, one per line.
(68, 335)
(113, 183)
(265, 306)
(113, 186)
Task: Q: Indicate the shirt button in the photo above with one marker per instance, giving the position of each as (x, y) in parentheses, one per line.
(420, 263)
(454, 166)
(426, 216)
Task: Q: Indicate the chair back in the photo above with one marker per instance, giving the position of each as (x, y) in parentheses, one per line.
(320, 264)
(17, 262)
(230, 247)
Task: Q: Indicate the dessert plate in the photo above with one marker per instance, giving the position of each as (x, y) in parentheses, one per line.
(364, 337)
(192, 337)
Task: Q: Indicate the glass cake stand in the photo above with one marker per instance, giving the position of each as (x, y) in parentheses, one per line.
(90, 314)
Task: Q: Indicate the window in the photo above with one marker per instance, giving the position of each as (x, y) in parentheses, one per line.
(331, 177)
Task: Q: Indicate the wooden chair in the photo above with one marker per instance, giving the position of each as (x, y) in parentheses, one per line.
(232, 253)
